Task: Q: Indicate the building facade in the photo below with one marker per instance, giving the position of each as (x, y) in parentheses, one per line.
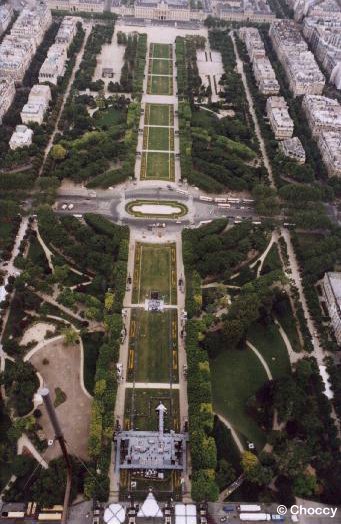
(18, 48)
(54, 64)
(37, 104)
(332, 294)
(22, 137)
(281, 123)
(299, 64)
(292, 148)
(244, 11)
(262, 68)
(7, 94)
(6, 14)
(323, 114)
(329, 143)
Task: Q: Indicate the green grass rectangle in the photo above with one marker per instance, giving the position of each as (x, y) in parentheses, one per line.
(159, 115)
(236, 376)
(155, 270)
(161, 50)
(159, 138)
(145, 401)
(268, 341)
(161, 67)
(160, 85)
(153, 346)
(158, 166)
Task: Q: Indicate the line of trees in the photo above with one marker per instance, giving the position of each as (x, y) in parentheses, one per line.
(102, 413)
(100, 35)
(132, 72)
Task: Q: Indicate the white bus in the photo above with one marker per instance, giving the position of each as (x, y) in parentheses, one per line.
(205, 198)
(259, 517)
(249, 507)
(224, 205)
(233, 200)
(53, 517)
(220, 199)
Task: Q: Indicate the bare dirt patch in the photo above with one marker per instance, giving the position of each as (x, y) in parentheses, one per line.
(63, 371)
(37, 332)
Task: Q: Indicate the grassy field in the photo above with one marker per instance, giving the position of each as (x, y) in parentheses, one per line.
(153, 351)
(161, 67)
(144, 404)
(287, 321)
(155, 270)
(161, 50)
(160, 85)
(110, 117)
(157, 166)
(269, 343)
(158, 138)
(236, 376)
(159, 115)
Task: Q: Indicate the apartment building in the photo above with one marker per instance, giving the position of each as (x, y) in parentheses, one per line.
(22, 137)
(54, 64)
(323, 114)
(253, 42)
(7, 94)
(37, 105)
(33, 112)
(18, 48)
(292, 148)
(6, 14)
(265, 76)
(281, 123)
(40, 93)
(301, 69)
(33, 22)
(318, 8)
(324, 37)
(303, 74)
(332, 293)
(335, 77)
(15, 57)
(67, 30)
(329, 143)
(262, 68)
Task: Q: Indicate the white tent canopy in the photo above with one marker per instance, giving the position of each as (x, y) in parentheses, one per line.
(114, 514)
(185, 514)
(150, 508)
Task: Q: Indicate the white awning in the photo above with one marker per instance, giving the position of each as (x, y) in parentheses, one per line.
(150, 508)
(114, 514)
